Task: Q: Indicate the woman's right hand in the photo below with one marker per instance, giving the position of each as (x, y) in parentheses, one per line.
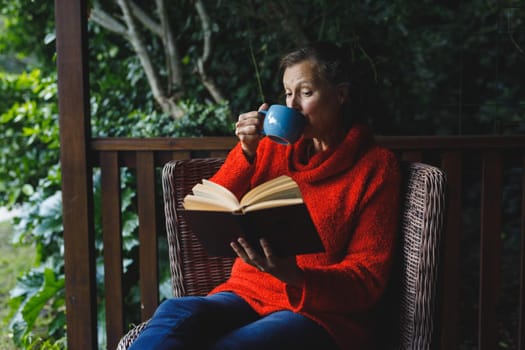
(248, 130)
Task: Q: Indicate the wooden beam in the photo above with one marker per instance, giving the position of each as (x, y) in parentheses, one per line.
(163, 143)
(112, 236)
(148, 250)
(452, 164)
(412, 156)
(490, 255)
(77, 198)
(417, 144)
(521, 329)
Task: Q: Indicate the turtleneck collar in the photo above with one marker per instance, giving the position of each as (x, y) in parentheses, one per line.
(332, 161)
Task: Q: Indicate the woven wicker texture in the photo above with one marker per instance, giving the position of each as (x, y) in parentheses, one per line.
(130, 337)
(421, 227)
(194, 273)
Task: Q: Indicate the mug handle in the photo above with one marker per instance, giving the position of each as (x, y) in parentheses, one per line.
(263, 112)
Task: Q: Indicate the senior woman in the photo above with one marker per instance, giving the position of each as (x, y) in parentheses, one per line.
(351, 187)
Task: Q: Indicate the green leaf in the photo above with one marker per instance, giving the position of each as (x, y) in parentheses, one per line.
(34, 305)
(28, 190)
(49, 38)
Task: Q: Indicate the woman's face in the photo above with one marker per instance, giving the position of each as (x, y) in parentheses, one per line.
(319, 100)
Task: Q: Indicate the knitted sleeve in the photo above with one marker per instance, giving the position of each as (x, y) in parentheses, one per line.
(236, 172)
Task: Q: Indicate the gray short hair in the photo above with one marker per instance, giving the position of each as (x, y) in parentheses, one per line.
(331, 61)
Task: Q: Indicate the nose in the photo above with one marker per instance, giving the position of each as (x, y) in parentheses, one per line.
(293, 102)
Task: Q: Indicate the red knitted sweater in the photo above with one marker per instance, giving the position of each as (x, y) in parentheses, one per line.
(353, 194)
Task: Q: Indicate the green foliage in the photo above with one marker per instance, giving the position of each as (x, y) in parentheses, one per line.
(29, 33)
(420, 68)
(29, 124)
(14, 260)
(38, 343)
(37, 302)
(198, 120)
(36, 291)
(118, 88)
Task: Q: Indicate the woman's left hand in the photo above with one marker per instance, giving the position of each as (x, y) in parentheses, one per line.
(285, 269)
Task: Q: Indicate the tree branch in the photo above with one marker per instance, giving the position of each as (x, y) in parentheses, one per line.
(146, 20)
(206, 31)
(134, 37)
(105, 20)
(175, 76)
(202, 62)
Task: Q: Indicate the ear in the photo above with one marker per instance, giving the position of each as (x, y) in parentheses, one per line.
(343, 90)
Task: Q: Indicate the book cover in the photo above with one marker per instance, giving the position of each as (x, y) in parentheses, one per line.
(274, 210)
(289, 230)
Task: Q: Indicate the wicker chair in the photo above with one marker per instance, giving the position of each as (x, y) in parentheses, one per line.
(194, 273)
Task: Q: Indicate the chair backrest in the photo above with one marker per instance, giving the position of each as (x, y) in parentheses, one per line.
(194, 273)
(414, 288)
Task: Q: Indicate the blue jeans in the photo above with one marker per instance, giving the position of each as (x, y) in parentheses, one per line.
(225, 321)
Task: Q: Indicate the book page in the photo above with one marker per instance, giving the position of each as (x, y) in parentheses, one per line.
(215, 191)
(272, 204)
(192, 202)
(219, 189)
(211, 196)
(279, 188)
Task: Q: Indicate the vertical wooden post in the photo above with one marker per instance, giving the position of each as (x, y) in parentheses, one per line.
(521, 329)
(111, 232)
(148, 251)
(77, 196)
(450, 282)
(490, 264)
(412, 156)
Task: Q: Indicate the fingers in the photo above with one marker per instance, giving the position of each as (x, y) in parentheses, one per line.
(285, 269)
(245, 251)
(248, 130)
(267, 249)
(250, 124)
(263, 107)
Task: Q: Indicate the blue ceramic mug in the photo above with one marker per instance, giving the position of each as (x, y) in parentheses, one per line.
(283, 124)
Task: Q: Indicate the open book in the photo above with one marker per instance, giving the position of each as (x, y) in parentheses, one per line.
(274, 210)
(278, 192)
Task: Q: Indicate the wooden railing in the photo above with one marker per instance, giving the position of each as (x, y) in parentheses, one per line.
(144, 156)
(474, 159)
